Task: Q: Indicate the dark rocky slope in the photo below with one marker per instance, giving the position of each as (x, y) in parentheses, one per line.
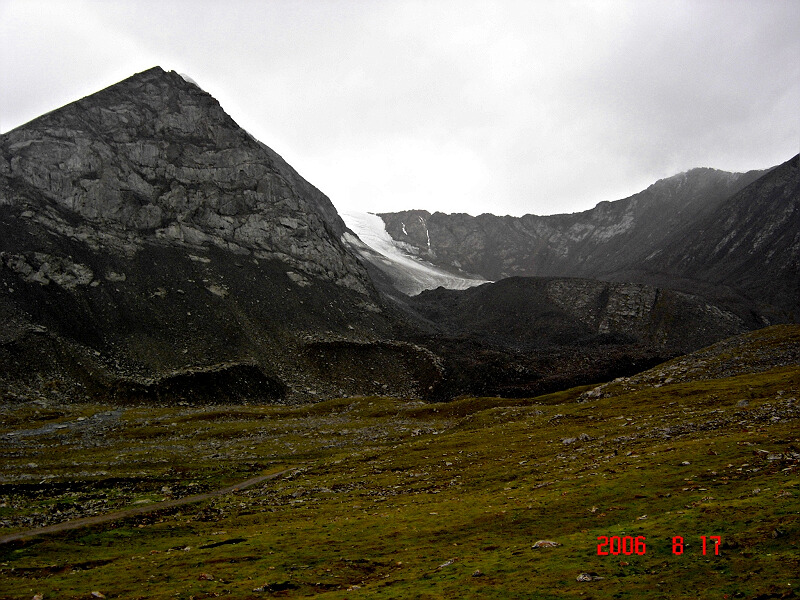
(146, 241)
(524, 336)
(750, 243)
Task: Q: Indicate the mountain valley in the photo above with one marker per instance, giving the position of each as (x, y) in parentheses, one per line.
(252, 396)
(152, 249)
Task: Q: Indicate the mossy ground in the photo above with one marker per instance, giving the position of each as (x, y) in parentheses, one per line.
(400, 499)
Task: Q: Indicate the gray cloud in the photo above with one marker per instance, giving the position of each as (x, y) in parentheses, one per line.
(505, 107)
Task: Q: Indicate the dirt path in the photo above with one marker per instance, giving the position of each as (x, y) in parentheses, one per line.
(139, 510)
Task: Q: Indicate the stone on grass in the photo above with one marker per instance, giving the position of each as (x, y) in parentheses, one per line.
(545, 544)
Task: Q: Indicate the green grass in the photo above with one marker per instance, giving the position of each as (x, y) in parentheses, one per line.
(399, 499)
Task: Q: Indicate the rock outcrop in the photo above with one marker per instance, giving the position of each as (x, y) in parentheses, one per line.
(155, 158)
(540, 312)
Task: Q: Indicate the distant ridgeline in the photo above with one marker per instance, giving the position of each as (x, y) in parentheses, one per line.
(152, 251)
(727, 235)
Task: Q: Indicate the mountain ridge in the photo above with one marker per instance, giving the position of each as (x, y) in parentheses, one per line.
(151, 249)
(587, 243)
(751, 243)
(654, 237)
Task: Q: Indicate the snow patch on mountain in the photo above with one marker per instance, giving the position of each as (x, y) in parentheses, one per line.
(410, 274)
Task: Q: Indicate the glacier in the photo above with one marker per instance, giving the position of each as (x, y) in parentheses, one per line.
(410, 274)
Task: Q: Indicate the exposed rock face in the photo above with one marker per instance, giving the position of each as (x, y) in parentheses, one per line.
(606, 239)
(156, 158)
(151, 249)
(46, 268)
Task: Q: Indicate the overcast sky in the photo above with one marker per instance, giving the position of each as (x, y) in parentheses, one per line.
(506, 107)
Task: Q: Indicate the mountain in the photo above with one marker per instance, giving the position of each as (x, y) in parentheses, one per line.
(155, 259)
(593, 243)
(152, 250)
(749, 243)
(692, 259)
(731, 236)
(150, 247)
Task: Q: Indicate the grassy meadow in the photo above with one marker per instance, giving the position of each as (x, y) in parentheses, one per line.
(389, 498)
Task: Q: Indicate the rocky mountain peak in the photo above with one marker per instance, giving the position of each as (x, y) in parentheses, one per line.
(149, 100)
(156, 103)
(156, 158)
(151, 249)
(696, 184)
